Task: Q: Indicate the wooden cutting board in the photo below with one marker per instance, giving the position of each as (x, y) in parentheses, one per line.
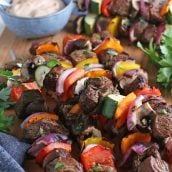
(9, 41)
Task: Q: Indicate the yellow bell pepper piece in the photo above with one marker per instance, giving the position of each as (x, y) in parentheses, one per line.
(113, 26)
(16, 72)
(122, 67)
(99, 141)
(66, 65)
(93, 60)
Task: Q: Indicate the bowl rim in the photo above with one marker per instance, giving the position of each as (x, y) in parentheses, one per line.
(41, 17)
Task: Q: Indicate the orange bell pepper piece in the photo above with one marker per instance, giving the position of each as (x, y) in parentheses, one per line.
(39, 116)
(75, 109)
(124, 105)
(165, 8)
(120, 122)
(72, 37)
(109, 43)
(48, 48)
(98, 73)
(132, 139)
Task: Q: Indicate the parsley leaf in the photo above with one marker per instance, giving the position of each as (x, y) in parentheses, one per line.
(162, 57)
(59, 166)
(7, 74)
(5, 93)
(96, 168)
(5, 121)
(112, 52)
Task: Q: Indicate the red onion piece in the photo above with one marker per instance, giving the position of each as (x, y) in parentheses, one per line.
(61, 80)
(137, 148)
(143, 10)
(43, 141)
(132, 37)
(87, 4)
(132, 116)
(159, 34)
(22, 125)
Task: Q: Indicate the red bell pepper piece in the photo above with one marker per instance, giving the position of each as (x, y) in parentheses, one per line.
(16, 92)
(148, 90)
(104, 8)
(97, 155)
(72, 78)
(46, 150)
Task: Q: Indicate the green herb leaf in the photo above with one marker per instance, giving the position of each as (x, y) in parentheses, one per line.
(5, 121)
(163, 112)
(86, 52)
(86, 67)
(59, 166)
(96, 168)
(98, 36)
(52, 63)
(5, 93)
(7, 74)
(112, 52)
(52, 55)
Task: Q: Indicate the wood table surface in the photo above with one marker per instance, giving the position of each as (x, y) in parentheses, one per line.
(9, 41)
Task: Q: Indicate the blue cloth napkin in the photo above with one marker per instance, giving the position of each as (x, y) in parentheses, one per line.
(12, 153)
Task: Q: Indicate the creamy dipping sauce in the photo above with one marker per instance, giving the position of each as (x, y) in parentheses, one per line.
(35, 8)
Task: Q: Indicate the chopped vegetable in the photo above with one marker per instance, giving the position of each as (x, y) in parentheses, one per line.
(48, 48)
(130, 140)
(16, 92)
(123, 66)
(97, 155)
(93, 60)
(95, 6)
(38, 116)
(75, 109)
(162, 57)
(165, 8)
(99, 141)
(68, 38)
(98, 73)
(46, 150)
(104, 8)
(72, 78)
(148, 90)
(40, 74)
(66, 64)
(110, 105)
(109, 43)
(89, 23)
(124, 105)
(114, 25)
(122, 109)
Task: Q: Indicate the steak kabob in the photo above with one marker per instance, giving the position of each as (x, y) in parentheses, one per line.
(106, 90)
(141, 20)
(137, 109)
